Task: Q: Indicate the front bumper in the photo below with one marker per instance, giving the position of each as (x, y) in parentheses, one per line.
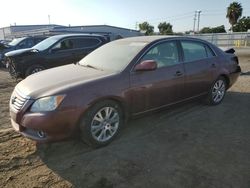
(45, 127)
(13, 70)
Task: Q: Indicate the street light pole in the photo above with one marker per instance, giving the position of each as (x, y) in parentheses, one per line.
(49, 19)
(194, 21)
(199, 13)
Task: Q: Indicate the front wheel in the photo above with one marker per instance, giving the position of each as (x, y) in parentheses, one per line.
(34, 69)
(217, 91)
(101, 124)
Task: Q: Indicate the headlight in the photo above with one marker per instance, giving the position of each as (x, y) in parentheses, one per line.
(47, 103)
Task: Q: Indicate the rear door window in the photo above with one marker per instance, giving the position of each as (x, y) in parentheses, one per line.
(193, 51)
(66, 44)
(86, 42)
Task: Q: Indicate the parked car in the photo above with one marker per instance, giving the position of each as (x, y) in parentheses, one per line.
(4, 42)
(18, 43)
(124, 78)
(53, 52)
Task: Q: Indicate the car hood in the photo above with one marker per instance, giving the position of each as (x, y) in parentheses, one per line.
(20, 52)
(56, 80)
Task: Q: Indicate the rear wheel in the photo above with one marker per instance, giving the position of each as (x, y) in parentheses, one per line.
(34, 69)
(217, 91)
(101, 124)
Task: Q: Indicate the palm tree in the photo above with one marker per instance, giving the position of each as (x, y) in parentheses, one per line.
(234, 12)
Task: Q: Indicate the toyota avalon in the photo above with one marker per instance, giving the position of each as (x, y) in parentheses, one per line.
(121, 79)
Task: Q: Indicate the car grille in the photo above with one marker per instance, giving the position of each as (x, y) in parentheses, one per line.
(10, 66)
(17, 100)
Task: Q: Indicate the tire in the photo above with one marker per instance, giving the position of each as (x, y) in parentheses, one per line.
(217, 91)
(101, 123)
(34, 69)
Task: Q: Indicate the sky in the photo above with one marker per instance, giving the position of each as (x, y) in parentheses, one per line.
(121, 13)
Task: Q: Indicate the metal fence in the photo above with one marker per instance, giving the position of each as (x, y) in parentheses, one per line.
(226, 39)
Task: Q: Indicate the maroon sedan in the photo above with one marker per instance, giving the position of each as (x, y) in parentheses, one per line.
(121, 79)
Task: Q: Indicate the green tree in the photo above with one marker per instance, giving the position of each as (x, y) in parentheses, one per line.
(218, 29)
(234, 12)
(165, 28)
(243, 25)
(205, 30)
(147, 28)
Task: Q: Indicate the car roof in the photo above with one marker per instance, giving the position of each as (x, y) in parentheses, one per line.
(149, 39)
(27, 37)
(58, 37)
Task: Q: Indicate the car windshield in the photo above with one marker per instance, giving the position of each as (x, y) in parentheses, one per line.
(45, 44)
(114, 56)
(14, 42)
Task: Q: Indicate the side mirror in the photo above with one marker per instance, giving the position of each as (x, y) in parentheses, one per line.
(147, 65)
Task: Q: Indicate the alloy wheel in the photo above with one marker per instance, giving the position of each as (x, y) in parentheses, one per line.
(218, 91)
(38, 69)
(105, 124)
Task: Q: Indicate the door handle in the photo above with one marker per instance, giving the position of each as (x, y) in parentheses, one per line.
(178, 73)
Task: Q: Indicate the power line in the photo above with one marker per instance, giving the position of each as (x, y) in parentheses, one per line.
(184, 15)
(183, 18)
(213, 14)
(188, 15)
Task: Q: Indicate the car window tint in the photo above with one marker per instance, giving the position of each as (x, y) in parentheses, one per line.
(29, 43)
(37, 40)
(66, 44)
(165, 54)
(113, 56)
(193, 51)
(86, 42)
(22, 44)
(210, 53)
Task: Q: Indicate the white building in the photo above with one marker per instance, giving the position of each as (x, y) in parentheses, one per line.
(8, 33)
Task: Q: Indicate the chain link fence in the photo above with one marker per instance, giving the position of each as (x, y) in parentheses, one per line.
(226, 39)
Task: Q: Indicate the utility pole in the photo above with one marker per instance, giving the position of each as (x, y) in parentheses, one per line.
(194, 21)
(199, 14)
(49, 19)
(136, 25)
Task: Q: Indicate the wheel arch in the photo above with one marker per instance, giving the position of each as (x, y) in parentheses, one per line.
(118, 100)
(29, 67)
(226, 77)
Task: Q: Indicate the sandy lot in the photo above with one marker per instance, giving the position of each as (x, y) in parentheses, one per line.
(191, 146)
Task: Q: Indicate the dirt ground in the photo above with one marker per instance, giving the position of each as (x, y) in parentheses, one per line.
(190, 146)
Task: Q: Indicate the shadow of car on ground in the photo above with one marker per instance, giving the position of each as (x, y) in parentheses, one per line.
(245, 73)
(192, 145)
